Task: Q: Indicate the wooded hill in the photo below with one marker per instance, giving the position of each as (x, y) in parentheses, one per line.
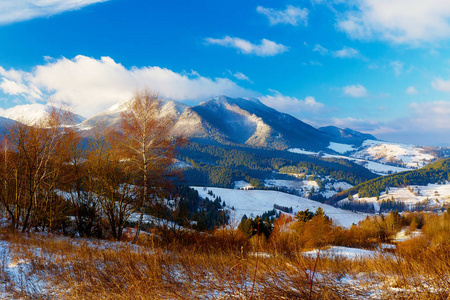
(438, 172)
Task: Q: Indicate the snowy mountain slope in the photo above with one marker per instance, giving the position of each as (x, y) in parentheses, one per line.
(31, 114)
(252, 123)
(256, 202)
(404, 155)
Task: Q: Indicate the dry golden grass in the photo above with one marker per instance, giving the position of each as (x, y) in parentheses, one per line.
(222, 265)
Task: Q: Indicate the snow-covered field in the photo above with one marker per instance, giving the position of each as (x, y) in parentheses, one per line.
(435, 195)
(256, 202)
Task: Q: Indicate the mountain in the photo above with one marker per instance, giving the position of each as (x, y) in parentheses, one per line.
(5, 123)
(346, 136)
(233, 121)
(31, 114)
(248, 122)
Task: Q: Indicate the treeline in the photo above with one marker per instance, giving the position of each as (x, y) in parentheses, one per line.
(222, 165)
(307, 230)
(198, 213)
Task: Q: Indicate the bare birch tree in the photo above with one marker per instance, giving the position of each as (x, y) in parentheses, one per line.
(147, 146)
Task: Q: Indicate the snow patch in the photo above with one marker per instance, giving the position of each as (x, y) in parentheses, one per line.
(302, 151)
(338, 251)
(242, 185)
(340, 148)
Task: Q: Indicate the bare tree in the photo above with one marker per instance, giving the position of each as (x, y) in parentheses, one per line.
(147, 146)
(33, 156)
(108, 181)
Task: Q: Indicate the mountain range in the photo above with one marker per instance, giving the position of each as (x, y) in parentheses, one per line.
(249, 123)
(237, 121)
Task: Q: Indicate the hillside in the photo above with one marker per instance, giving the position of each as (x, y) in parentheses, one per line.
(252, 123)
(417, 185)
(253, 202)
(221, 166)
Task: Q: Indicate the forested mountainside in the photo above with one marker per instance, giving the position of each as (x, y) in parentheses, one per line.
(221, 166)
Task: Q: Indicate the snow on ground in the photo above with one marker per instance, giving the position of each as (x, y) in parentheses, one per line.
(292, 184)
(332, 189)
(409, 155)
(303, 187)
(340, 148)
(181, 164)
(404, 235)
(151, 220)
(256, 202)
(241, 184)
(338, 251)
(302, 151)
(16, 277)
(375, 167)
(435, 195)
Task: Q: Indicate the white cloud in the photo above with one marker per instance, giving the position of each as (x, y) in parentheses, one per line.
(92, 85)
(400, 21)
(12, 11)
(431, 116)
(14, 82)
(241, 76)
(363, 125)
(291, 105)
(426, 123)
(322, 50)
(291, 15)
(346, 52)
(411, 91)
(265, 48)
(397, 66)
(315, 63)
(355, 91)
(441, 85)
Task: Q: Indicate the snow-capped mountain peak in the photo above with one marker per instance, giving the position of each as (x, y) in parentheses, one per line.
(31, 114)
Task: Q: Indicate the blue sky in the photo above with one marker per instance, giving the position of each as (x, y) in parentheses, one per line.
(377, 66)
